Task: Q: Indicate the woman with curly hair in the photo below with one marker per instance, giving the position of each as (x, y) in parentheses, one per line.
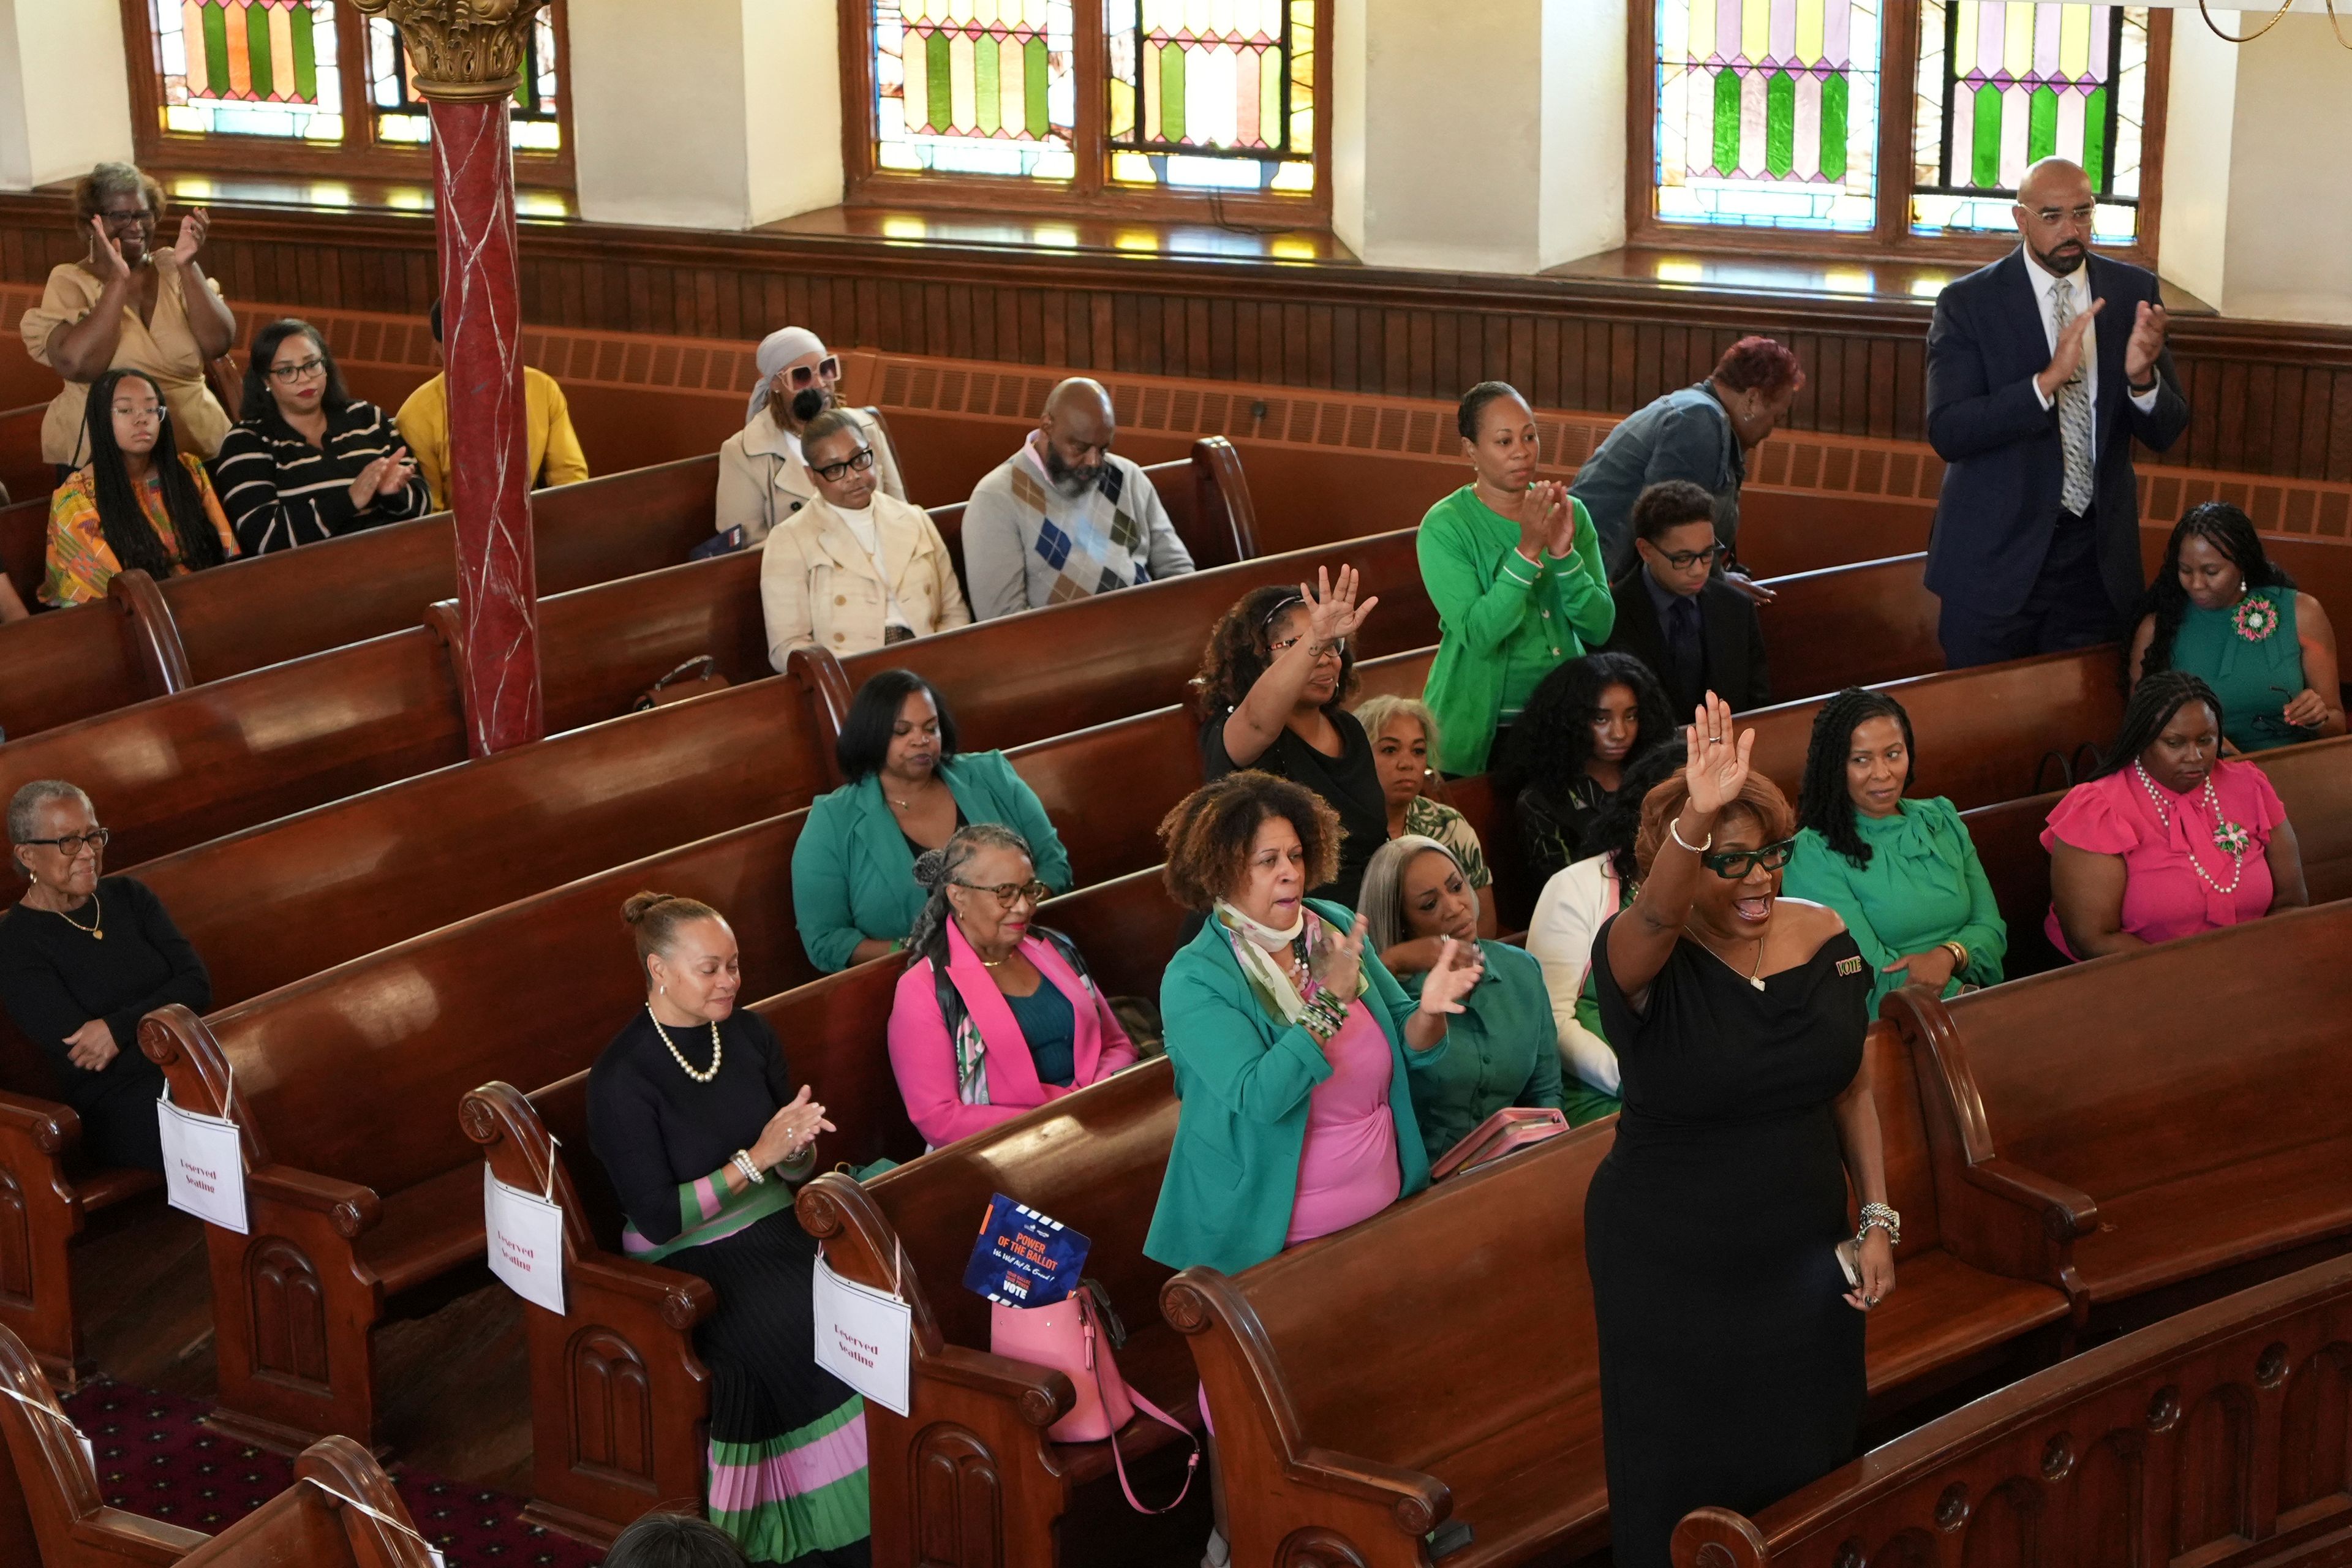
(2222, 610)
(1289, 1040)
(1272, 681)
(139, 501)
(1589, 721)
(1902, 874)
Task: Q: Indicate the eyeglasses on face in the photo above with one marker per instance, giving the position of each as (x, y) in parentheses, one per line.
(72, 845)
(2050, 217)
(1339, 649)
(290, 373)
(1733, 864)
(833, 473)
(127, 220)
(1683, 559)
(1008, 894)
(826, 369)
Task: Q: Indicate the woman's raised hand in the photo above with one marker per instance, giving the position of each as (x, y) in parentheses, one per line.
(105, 256)
(194, 226)
(790, 1130)
(1560, 523)
(1337, 964)
(1459, 966)
(1333, 614)
(1715, 764)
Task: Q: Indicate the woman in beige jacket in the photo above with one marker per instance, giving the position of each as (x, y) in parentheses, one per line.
(762, 478)
(856, 567)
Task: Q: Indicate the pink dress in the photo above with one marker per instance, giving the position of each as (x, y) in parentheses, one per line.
(1347, 1170)
(2164, 898)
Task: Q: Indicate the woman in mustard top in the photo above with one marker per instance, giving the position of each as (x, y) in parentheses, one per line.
(1514, 568)
(1902, 874)
(2222, 610)
(138, 502)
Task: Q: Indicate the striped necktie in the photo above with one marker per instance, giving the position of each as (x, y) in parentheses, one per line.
(2074, 409)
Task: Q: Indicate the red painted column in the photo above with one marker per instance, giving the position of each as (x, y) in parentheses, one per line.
(490, 480)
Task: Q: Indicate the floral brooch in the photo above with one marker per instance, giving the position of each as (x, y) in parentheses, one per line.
(2255, 617)
(2232, 837)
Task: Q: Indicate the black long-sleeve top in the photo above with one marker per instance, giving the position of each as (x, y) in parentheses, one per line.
(54, 977)
(280, 491)
(660, 1133)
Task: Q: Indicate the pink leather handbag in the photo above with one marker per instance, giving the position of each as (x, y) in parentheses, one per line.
(1068, 1336)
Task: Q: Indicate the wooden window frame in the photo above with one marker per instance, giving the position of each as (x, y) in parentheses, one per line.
(1890, 238)
(1091, 192)
(360, 155)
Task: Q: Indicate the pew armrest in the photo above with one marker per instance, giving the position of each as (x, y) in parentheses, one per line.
(2065, 1212)
(2006, 1218)
(112, 1536)
(354, 1210)
(1416, 1502)
(1041, 1395)
(49, 1126)
(683, 1299)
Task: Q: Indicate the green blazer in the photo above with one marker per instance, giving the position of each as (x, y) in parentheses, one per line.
(853, 871)
(1244, 1079)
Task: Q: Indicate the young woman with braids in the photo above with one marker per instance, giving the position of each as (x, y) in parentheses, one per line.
(1590, 720)
(995, 1013)
(1902, 874)
(2222, 610)
(140, 501)
(695, 1116)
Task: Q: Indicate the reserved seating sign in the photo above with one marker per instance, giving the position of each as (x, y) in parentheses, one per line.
(525, 1235)
(864, 1336)
(204, 1166)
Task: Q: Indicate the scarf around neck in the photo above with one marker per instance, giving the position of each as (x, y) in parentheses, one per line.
(1255, 945)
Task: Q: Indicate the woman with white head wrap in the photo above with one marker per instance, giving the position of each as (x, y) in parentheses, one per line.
(761, 479)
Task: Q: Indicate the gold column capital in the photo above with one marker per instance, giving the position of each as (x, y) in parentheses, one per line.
(462, 51)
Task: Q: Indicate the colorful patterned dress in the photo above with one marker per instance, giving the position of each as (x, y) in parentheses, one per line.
(81, 563)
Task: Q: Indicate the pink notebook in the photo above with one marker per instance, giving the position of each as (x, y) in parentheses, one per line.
(1513, 1127)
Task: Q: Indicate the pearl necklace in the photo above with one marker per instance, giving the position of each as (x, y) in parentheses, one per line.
(2222, 827)
(717, 1049)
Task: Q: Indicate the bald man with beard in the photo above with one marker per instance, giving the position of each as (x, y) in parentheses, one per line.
(1065, 517)
(2041, 370)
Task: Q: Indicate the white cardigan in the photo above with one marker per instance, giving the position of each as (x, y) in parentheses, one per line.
(1559, 935)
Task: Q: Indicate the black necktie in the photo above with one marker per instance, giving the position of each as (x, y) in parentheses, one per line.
(1685, 650)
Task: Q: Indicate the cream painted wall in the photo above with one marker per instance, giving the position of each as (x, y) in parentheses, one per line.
(2193, 228)
(2289, 248)
(64, 95)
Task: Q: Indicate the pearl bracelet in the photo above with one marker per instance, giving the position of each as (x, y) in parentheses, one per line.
(751, 1172)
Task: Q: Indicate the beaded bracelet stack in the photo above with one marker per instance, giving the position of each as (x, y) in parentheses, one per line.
(751, 1171)
(1878, 1216)
(1326, 1014)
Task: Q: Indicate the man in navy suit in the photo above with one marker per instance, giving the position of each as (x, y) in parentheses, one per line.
(2042, 369)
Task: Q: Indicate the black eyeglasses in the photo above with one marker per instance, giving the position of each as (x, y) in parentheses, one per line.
(835, 472)
(1008, 894)
(129, 219)
(1683, 559)
(1733, 864)
(73, 844)
(290, 373)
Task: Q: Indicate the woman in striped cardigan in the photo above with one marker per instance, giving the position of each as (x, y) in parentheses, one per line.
(309, 462)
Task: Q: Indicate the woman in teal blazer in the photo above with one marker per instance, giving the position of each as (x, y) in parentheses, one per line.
(855, 897)
(1290, 1044)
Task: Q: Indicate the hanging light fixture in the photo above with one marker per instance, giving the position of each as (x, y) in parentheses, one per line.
(2206, 10)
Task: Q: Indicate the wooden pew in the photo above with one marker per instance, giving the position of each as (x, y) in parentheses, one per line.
(23, 477)
(1988, 734)
(1047, 671)
(63, 665)
(1207, 499)
(53, 1513)
(2173, 1113)
(1863, 625)
(24, 543)
(2215, 1437)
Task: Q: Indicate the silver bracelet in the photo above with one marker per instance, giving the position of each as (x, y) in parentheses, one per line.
(751, 1172)
(1878, 1216)
(1675, 831)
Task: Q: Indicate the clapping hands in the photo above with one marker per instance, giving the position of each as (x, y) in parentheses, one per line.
(1547, 520)
(387, 475)
(789, 1132)
(1459, 967)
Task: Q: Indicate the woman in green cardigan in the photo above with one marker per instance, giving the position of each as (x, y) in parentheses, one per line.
(854, 892)
(1514, 568)
(1504, 1047)
(1902, 874)
(1294, 1048)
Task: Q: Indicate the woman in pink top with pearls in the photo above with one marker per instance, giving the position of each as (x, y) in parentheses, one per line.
(2167, 838)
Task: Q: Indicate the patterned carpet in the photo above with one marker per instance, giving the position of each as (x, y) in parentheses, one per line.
(154, 1458)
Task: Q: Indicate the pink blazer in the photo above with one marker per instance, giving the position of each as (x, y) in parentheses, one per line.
(924, 1058)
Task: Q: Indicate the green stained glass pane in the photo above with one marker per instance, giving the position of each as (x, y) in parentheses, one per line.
(1780, 124)
(1834, 110)
(988, 67)
(1985, 138)
(1727, 120)
(2042, 128)
(937, 67)
(306, 56)
(216, 50)
(1035, 66)
(256, 49)
(2094, 137)
(1171, 93)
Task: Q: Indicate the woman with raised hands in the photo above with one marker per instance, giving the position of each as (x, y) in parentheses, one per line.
(1727, 1289)
(1273, 683)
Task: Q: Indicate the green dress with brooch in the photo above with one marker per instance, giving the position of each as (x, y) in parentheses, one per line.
(2249, 654)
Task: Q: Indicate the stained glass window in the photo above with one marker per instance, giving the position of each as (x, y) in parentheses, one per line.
(400, 111)
(2003, 85)
(1767, 112)
(250, 68)
(1211, 94)
(976, 86)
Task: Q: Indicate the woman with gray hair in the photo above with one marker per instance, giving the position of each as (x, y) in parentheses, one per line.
(995, 1013)
(1404, 738)
(763, 478)
(83, 957)
(1504, 1050)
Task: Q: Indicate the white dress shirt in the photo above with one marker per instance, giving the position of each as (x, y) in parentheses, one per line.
(2078, 284)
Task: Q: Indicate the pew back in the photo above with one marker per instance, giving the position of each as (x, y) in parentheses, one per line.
(603, 645)
(1108, 787)
(1863, 625)
(64, 665)
(25, 541)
